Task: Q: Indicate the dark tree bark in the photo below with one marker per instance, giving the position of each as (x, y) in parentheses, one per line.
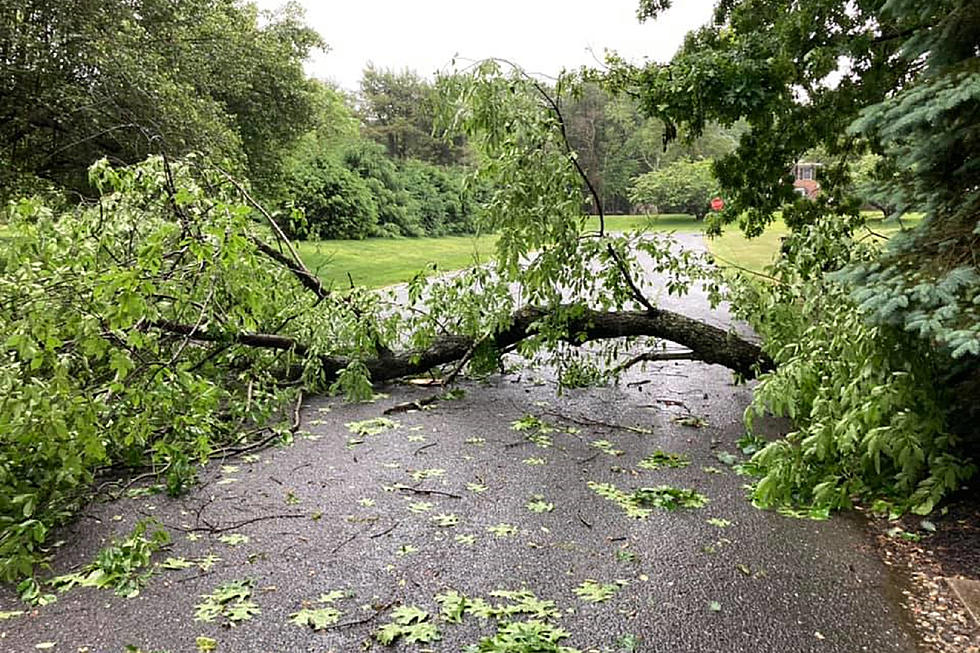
(707, 343)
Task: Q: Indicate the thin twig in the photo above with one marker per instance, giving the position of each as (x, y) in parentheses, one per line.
(385, 531)
(588, 421)
(358, 622)
(416, 490)
(417, 404)
(231, 527)
(653, 356)
(625, 273)
(424, 447)
(280, 234)
(738, 267)
(344, 543)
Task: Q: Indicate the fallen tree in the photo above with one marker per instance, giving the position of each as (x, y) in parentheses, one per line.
(706, 343)
(173, 319)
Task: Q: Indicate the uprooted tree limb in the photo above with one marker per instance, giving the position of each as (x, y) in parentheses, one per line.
(706, 343)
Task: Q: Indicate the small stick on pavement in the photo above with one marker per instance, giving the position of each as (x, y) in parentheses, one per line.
(344, 543)
(385, 531)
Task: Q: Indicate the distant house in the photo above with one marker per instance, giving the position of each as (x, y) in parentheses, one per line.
(805, 179)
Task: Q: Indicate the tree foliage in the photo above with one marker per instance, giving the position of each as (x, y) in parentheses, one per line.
(898, 80)
(122, 80)
(399, 110)
(680, 187)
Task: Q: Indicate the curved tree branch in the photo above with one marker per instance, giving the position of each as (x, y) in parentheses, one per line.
(706, 343)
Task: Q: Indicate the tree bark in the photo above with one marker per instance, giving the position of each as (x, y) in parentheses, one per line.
(707, 343)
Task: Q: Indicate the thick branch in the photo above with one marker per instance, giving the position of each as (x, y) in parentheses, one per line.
(707, 343)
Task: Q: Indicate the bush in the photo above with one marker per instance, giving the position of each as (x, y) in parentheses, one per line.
(681, 187)
(867, 401)
(335, 202)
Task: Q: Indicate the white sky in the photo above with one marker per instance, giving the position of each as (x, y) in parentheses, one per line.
(542, 36)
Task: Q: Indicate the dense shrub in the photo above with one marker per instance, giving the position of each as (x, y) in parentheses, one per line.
(870, 410)
(680, 187)
(355, 190)
(335, 201)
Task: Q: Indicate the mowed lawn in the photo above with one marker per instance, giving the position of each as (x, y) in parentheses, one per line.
(733, 249)
(378, 262)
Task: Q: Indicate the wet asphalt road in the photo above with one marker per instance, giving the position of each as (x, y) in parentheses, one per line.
(326, 513)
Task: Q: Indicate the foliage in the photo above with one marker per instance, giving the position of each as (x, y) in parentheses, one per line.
(530, 636)
(681, 187)
(538, 504)
(118, 566)
(87, 297)
(127, 79)
(409, 623)
(669, 498)
(638, 504)
(399, 111)
(615, 142)
(350, 188)
(897, 128)
(333, 202)
(926, 283)
(871, 419)
(659, 459)
(595, 592)
(372, 426)
(232, 602)
(315, 618)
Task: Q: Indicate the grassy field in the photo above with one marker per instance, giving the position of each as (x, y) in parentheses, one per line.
(732, 248)
(378, 262)
(665, 222)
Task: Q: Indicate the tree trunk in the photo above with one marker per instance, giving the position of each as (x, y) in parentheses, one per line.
(707, 343)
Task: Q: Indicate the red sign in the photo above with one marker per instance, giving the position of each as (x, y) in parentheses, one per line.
(717, 204)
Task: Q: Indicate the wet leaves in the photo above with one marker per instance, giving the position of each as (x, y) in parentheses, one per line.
(230, 602)
(445, 520)
(374, 426)
(538, 504)
(422, 474)
(409, 623)
(315, 618)
(593, 591)
(690, 420)
(659, 459)
(234, 539)
(605, 446)
(503, 530)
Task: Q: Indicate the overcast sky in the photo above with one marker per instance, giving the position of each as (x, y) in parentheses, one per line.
(542, 36)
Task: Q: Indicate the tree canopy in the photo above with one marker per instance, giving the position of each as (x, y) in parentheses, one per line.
(123, 80)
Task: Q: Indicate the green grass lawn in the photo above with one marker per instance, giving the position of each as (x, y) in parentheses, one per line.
(733, 249)
(665, 222)
(378, 262)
